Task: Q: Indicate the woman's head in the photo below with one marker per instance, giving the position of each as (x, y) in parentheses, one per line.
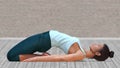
(101, 52)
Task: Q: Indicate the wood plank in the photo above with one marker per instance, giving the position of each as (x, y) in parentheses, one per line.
(22, 65)
(101, 64)
(3, 45)
(71, 65)
(30, 64)
(48, 64)
(110, 65)
(13, 64)
(2, 42)
(78, 64)
(3, 62)
(38, 64)
(43, 64)
(63, 65)
(117, 46)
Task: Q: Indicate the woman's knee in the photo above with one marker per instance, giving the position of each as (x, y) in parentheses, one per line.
(12, 57)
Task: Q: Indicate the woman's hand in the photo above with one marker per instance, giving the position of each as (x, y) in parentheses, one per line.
(45, 54)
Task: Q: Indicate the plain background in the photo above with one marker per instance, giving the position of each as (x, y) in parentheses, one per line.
(81, 18)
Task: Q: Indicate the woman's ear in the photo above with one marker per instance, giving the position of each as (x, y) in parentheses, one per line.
(98, 53)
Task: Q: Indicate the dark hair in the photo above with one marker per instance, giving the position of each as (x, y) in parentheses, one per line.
(105, 53)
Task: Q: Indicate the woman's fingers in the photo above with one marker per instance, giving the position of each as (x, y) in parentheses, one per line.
(45, 54)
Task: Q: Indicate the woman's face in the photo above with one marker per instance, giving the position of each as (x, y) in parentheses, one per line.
(96, 47)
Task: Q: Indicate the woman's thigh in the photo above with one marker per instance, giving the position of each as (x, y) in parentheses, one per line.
(27, 46)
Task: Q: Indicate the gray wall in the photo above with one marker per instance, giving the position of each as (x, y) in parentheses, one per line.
(83, 18)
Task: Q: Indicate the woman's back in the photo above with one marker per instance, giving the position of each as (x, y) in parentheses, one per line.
(62, 40)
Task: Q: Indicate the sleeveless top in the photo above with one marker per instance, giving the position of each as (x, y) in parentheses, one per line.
(63, 41)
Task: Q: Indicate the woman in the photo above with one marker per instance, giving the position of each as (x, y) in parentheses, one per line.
(24, 50)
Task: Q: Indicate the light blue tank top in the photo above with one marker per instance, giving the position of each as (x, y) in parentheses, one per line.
(63, 41)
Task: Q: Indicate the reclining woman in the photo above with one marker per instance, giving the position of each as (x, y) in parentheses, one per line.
(42, 42)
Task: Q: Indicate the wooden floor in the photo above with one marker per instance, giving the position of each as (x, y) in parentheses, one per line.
(6, 44)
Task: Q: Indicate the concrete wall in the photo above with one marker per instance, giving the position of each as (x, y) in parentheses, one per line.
(82, 18)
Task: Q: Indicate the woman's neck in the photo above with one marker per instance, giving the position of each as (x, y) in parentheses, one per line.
(89, 54)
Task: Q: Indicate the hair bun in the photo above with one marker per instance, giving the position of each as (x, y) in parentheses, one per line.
(111, 54)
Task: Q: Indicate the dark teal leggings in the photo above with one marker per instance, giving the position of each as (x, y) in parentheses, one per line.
(39, 42)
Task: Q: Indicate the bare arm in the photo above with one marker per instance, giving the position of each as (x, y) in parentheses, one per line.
(56, 58)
